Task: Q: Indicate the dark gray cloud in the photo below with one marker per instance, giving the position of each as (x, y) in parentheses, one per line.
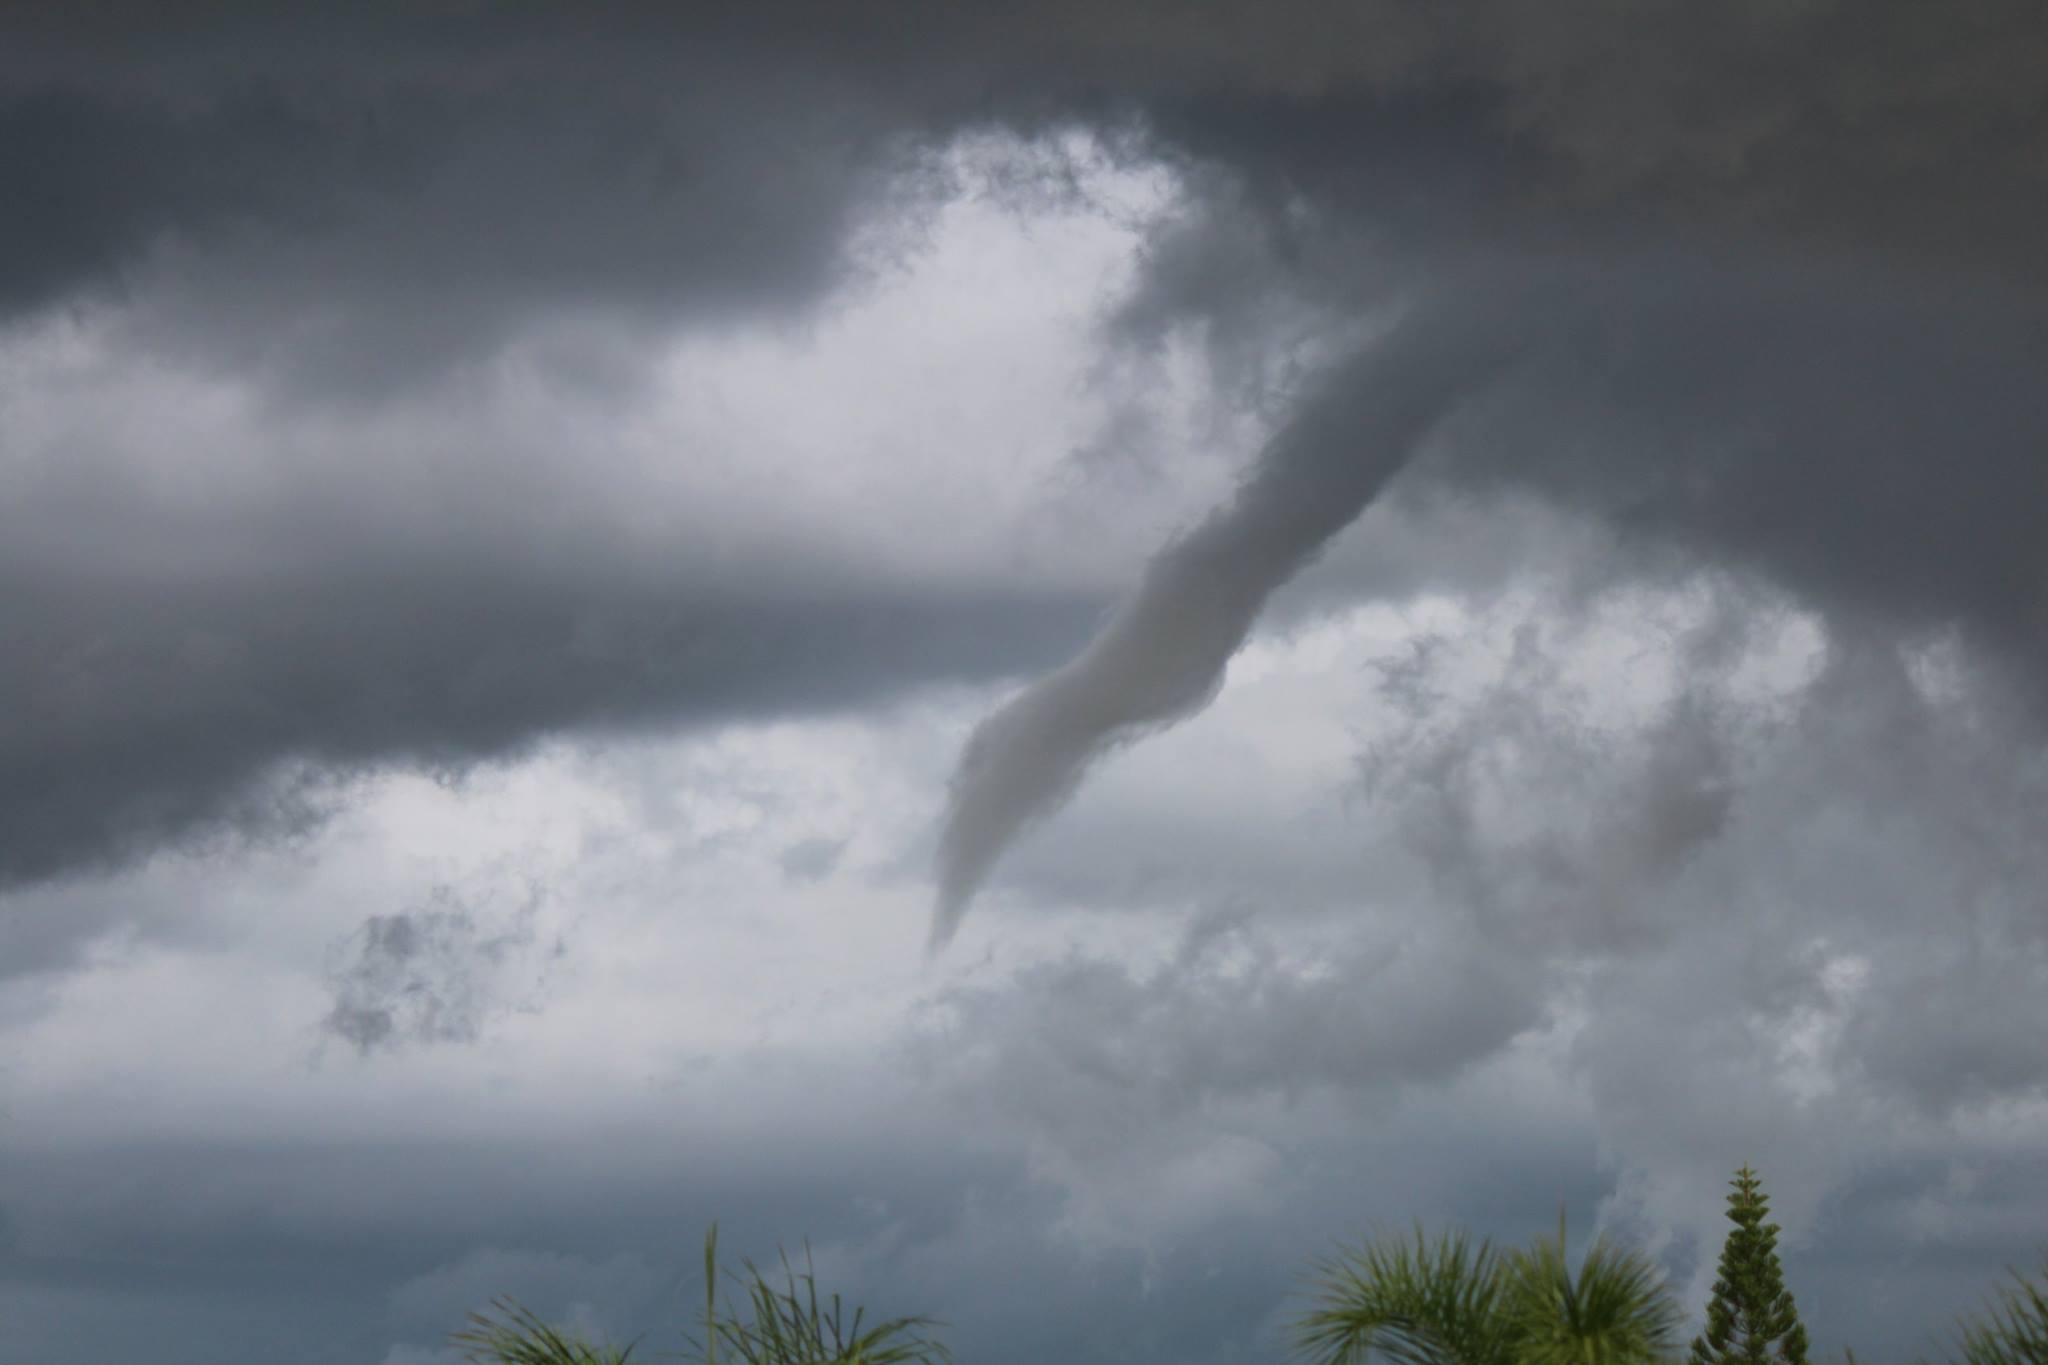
(143, 712)
(430, 244)
(1864, 438)
(1835, 122)
(349, 208)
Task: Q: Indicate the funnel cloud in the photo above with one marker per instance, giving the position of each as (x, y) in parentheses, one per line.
(1160, 658)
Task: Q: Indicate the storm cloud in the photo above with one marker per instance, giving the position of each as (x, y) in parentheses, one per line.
(1552, 491)
(336, 211)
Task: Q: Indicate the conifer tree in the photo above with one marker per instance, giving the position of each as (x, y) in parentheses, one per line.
(1751, 1319)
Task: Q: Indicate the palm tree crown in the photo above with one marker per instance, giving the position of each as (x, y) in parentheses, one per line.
(1456, 1302)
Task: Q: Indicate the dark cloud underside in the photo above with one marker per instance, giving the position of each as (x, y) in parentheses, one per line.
(135, 717)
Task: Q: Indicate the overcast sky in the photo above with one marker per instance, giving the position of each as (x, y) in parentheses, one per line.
(1435, 611)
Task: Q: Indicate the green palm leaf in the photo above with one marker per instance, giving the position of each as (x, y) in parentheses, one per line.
(511, 1334)
(1615, 1311)
(785, 1321)
(1411, 1302)
(2013, 1329)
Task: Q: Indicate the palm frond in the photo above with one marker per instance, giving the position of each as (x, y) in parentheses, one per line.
(1412, 1302)
(1616, 1310)
(784, 1320)
(2013, 1328)
(512, 1334)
